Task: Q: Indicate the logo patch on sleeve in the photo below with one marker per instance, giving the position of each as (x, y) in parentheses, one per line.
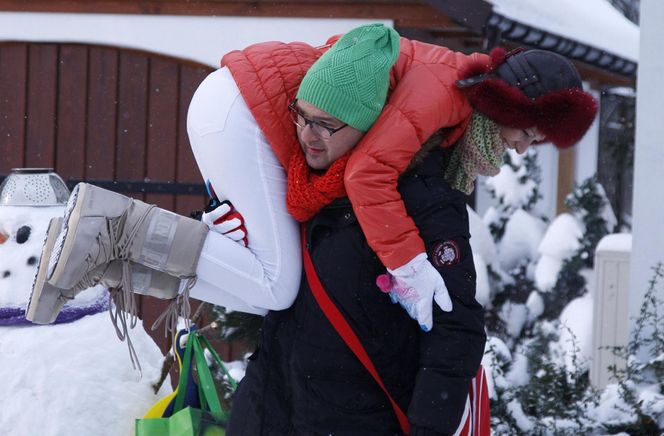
(445, 253)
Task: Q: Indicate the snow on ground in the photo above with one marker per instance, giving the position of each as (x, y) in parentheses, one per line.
(593, 22)
(611, 409)
(75, 379)
(70, 378)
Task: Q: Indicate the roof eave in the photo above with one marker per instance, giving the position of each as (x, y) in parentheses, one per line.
(479, 17)
(500, 27)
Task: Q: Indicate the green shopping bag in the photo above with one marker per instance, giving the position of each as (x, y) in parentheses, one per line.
(187, 422)
(211, 418)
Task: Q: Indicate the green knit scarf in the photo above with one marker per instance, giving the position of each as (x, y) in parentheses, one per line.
(479, 152)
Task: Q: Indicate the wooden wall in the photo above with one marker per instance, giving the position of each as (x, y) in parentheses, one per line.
(101, 114)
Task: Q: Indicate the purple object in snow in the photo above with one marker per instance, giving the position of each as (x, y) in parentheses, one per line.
(13, 316)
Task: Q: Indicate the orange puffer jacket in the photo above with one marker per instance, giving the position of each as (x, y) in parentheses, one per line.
(423, 98)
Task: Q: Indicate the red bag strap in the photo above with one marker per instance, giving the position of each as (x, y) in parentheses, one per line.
(481, 402)
(345, 330)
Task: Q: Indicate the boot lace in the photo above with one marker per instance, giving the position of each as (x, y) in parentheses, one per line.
(178, 307)
(123, 297)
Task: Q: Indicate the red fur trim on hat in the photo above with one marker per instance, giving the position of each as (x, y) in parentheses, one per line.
(563, 116)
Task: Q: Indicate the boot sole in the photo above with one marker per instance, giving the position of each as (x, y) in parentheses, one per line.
(45, 302)
(95, 206)
(63, 246)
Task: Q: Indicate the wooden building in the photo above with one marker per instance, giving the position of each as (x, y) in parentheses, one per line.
(112, 109)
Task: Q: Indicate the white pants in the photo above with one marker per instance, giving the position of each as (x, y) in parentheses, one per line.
(234, 156)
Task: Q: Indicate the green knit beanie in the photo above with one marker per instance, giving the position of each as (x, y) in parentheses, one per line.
(351, 79)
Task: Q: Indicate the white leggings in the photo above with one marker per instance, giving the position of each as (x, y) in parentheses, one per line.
(234, 156)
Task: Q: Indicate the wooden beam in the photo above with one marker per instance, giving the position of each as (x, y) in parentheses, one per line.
(599, 78)
(405, 13)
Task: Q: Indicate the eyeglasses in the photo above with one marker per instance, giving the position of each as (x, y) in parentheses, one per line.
(301, 121)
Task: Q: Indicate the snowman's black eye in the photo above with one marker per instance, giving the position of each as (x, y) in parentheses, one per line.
(23, 234)
(32, 260)
(6, 274)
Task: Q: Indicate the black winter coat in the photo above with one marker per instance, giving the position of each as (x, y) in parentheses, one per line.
(304, 380)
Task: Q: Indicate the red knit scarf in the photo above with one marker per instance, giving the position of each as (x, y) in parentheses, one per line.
(307, 192)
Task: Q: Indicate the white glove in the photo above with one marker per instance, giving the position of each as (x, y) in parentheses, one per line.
(415, 286)
(226, 220)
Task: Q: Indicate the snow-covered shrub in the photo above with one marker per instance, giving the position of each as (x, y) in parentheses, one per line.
(540, 311)
(484, 257)
(589, 205)
(515, 187)
(541, 385)
(538, 392)
(558, 394)
(237, 326)
(517, 231)
(635, 404)
(560, 242)
(510, 313)
(497, 362)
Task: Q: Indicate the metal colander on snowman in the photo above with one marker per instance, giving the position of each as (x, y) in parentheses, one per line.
(33, 187)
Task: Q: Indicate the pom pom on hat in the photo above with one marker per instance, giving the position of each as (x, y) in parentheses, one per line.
(350, 81)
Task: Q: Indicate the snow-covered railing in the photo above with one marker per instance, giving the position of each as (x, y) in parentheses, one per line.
(611, 304)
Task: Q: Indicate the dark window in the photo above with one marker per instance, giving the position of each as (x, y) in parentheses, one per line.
(615, 167)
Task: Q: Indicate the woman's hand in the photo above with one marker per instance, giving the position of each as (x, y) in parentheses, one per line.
(415, 286)
(224, 219)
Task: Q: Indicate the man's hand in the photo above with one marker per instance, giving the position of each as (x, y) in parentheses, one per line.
(415, 286)
(226, 220)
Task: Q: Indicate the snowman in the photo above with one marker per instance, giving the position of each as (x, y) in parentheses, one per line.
(73, 377)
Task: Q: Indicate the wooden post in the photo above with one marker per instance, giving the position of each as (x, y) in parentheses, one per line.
(565, 178)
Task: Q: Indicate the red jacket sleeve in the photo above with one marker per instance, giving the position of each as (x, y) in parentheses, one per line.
(424, 99)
